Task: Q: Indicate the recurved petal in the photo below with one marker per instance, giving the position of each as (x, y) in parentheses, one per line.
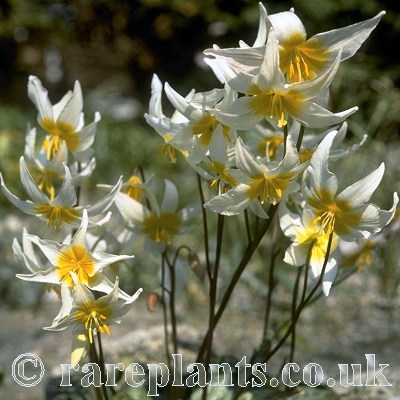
(349, 38)
(361, 191)
(241, 115)
(30, 185)
(170, 199)
(39, 96)
(72, 110)
(105, 203)
(231, 203)
(131, 210)
(314, 116)
(25, 206)
(246, 161)
(296, 254)
(373, 219)
(318, 173)
(50, 248)
(182, 104)
(155, 105)
(66, 196)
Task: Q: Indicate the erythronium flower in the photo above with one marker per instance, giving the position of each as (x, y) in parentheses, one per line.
(63, 209)
(89, 315)
(304, 232)
(74, 257)
(192, 126)
(301, 58)
(49, 174)
(259, 180)
(168, 128)
(348, 213)
(63, 121)
(268, 95)
(159, 224)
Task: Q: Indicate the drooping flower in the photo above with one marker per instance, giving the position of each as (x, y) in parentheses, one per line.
(267, 93)
(308, 241)
(74, 256)
(89, 316)
(63, 121)
(49, 174)
(348, 213)
(63, 208)
(159, 224)
(193, 124)
(259, 180)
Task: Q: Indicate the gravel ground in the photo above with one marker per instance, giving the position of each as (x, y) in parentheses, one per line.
(341, 329)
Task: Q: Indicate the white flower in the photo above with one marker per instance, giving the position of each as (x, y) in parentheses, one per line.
(159, 224)
(63, 121)
(63, 208)
(259, 180)
(304, 232)
(267, 93)
(348, 213)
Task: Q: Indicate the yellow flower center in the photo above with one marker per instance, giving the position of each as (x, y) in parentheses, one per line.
(263, 186)
(270, 145)
(305, 155)
(93, 315)
(78, 260)
(205, 129)
(133, 189)
(274, 105)
(58, 131)
(302, 60)
(334, 215)
(46, 180)
(223, 174)
(319, 240)
(160, 228)
(56, 215)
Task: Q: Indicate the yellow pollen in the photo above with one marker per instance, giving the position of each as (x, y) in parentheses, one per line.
(268, 187)
(334, 215)
(75, 259)
(274, 105)
(161, 228)
(302, 60)
(133, 189)
(56, 215)
(58, 131)
(93, 315)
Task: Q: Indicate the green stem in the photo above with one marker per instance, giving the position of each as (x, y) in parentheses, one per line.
(95, 360)
(102, 365)
(172, 312)
(300, 138)
(165, 314)
(250, 249)
(271, 280)
(306, 300)
(205, 227)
